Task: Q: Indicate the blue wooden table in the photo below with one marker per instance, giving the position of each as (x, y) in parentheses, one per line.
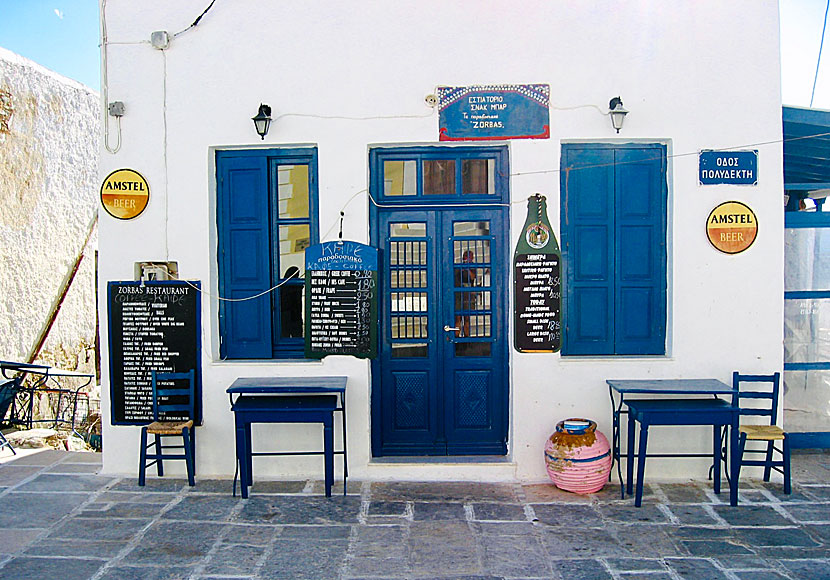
(287, 400)
(665, 410)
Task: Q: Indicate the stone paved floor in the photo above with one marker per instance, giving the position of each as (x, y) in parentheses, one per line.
(60, 520)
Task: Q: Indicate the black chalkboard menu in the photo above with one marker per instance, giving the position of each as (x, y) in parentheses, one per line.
(152, 326)
(341, 300)
(538, 292)
(536, 282)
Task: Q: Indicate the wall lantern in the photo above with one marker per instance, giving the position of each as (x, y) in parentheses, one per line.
(617, 112)
(262, 121)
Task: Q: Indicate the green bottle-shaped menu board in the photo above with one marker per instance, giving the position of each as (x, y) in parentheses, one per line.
(536, 283)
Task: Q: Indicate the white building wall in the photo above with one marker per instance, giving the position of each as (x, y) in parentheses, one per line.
(694, 75)
(48, 205)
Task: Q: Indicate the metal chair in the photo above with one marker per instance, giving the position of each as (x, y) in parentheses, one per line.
(173, 412)
(8, 391)
(766, 406)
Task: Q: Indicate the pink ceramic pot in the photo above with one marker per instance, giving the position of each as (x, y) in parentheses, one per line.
(578, 456)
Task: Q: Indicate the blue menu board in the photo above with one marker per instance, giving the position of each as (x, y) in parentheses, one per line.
(341, 299)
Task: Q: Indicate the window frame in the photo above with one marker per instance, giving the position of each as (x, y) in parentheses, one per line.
(273, 158)
(419, 154)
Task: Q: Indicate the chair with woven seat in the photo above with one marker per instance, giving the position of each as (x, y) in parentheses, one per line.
(766, 405)
(173, 413)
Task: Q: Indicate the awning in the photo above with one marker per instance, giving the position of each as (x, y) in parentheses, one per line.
(806, 151)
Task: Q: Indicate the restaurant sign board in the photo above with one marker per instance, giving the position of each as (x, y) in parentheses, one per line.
(494, 112)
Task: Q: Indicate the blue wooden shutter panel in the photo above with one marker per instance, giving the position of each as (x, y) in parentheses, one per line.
(244, 256)
(640, 272)
(614, 232)
(588, 235)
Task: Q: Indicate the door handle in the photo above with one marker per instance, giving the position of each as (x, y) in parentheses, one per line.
(448, 328)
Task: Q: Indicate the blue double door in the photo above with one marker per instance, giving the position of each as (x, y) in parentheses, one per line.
(440, 384)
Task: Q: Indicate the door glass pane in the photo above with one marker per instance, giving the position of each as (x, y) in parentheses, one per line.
(409, 327)
(399, 178)
(478, 176)
(408, 230)
(806, 401)
(471, 261)
(472, 252)
(471, 228)
(472, 348)
(293, 240)
(806, 330)
(439, 177)
(807, 259)
(292, 181)
(410, 350)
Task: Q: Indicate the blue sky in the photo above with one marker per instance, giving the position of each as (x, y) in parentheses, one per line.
(62, 35)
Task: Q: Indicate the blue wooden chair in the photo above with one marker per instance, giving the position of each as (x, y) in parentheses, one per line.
(766, 405)
(173, 413)
(8, 391)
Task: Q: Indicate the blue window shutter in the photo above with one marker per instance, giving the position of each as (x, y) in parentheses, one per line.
(640, 272)
(588, 249)
(244, 255)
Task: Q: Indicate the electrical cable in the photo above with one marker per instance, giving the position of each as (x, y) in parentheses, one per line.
(346, 118)
(196, 22)
(104, 85)
(524, 200)
(821, 46)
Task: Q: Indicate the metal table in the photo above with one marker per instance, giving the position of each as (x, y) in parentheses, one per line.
(666, 410)
(50, 381)
(278, 400)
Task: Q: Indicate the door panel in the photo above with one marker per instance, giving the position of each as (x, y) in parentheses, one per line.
(475, 347)
(442, 365)
(408, 321)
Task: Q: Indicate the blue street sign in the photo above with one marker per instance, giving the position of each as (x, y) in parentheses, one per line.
(728, 167)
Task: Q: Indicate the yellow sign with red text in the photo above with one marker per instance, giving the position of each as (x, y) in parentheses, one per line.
(124, 194)
(732, 227)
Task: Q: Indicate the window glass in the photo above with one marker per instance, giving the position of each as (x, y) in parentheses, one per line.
(439, 177)
(478, 176)
(292, 304)
(292, 194)
(400, 178)
(293, 241)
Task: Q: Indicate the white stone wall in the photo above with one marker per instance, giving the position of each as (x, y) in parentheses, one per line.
(48, 204)
(346, 76)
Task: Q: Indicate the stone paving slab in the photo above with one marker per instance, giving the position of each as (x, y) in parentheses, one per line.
(60, 519)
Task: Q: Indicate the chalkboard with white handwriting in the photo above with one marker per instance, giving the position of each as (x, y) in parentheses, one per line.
(341, 300)
(152, 326)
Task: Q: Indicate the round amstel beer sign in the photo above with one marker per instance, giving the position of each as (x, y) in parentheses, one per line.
(124, 194)
(732, 227)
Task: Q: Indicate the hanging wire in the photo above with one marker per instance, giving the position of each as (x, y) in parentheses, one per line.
(821, 46)
(196, 22)
(565, 170)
